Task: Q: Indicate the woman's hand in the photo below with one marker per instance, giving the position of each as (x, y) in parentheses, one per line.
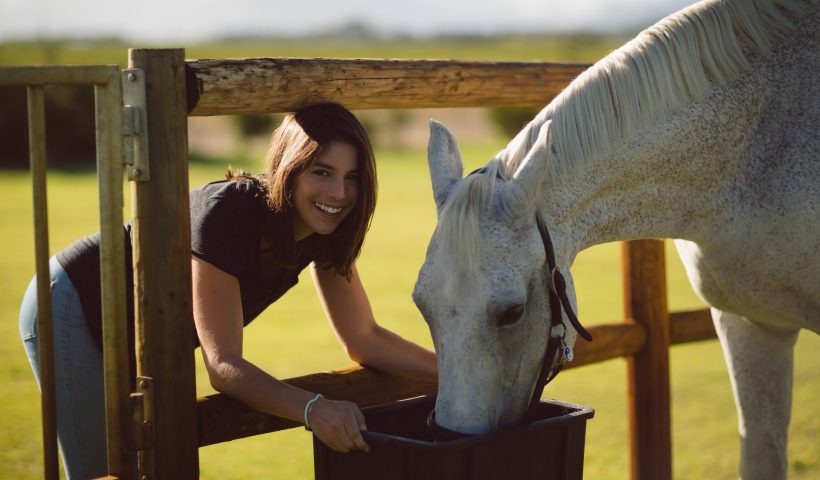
(338, 425)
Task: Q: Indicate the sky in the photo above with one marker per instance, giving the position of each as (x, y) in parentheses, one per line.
(188, 20)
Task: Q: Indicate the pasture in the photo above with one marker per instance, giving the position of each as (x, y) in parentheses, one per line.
(292, 338)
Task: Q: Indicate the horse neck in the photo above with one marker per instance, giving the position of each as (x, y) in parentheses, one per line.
(673, 179)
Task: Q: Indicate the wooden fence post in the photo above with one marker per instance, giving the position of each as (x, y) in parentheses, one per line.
(649, 406)
(162, 273)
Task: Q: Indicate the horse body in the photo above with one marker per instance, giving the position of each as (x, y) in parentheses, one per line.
(733, 172)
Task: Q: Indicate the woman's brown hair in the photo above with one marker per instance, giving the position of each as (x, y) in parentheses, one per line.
(295, 146)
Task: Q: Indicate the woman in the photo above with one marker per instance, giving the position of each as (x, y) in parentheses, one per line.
(251, 236)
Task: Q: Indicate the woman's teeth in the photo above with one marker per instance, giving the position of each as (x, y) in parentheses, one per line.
(328, 209)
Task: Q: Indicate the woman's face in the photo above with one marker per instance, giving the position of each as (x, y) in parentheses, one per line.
(325, 193)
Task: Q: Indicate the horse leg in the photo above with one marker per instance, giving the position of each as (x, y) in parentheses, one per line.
(760, 362)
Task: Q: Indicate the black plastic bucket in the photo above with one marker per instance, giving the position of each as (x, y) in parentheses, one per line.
(401, 447)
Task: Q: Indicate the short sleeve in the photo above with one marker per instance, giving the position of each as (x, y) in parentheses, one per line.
(222, 229)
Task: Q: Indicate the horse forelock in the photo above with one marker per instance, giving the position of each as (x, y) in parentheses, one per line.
(676, 61)
(460, 218)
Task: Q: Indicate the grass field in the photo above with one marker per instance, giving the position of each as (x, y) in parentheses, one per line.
(583, 48)
(292, 338)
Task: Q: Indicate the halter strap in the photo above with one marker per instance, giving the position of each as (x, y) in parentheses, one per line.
(557, 352)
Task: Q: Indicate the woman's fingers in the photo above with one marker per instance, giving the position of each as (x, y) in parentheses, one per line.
(338, 425)
(354, 433)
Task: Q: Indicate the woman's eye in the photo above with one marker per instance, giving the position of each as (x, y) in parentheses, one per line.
(321, 172)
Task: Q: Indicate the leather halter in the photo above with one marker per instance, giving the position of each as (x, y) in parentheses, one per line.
(557, 351)
(559, 304)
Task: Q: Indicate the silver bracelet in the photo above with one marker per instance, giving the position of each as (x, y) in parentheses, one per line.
(308, 406)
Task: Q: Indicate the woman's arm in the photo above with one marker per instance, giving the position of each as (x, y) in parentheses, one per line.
(348, 309)
(217, 307)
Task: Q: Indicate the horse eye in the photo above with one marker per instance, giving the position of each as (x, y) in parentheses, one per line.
(510, 316)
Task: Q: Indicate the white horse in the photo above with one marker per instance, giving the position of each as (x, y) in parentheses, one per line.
(704, 128)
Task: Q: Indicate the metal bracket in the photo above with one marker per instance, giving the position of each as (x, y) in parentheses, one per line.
(135, 125)
(142, 403)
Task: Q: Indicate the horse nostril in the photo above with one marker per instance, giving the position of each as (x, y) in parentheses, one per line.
(510, 316)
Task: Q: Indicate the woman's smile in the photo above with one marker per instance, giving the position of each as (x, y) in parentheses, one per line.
(328, 210)
(326, 192)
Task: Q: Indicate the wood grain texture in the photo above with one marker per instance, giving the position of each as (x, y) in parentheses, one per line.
(162, 269)
(222, 418)
(269, 85)
(691, 326)
(649, 404)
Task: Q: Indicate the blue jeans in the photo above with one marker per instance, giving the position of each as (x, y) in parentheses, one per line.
(78, 375)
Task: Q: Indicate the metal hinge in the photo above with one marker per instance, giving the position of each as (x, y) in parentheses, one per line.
(142, 407)
(135, 125)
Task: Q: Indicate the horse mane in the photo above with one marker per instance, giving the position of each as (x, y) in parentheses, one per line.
(674, 62)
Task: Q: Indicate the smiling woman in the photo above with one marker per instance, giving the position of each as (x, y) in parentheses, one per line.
(251, 236)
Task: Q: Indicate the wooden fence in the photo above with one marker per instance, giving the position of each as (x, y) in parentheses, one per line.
(176, 423)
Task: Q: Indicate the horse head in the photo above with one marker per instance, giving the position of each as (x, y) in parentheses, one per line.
(483, 288)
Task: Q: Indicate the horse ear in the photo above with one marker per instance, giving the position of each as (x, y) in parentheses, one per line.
(445, 162)
(531, 172)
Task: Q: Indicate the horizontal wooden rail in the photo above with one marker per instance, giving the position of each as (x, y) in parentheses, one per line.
(691, 326)
(269, 85)
(222, 418)
(59, 75)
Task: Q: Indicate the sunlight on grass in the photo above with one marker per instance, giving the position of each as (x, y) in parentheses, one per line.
(292, 338)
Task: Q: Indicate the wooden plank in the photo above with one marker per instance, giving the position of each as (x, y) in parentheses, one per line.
(58, 74)
(118, 374)
(268, 85)
(649, 405)
(222, 418)
(691, 326)
(45, 328)
(162, 269)
(610, 341)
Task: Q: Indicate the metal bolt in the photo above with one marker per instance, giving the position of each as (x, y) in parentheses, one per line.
(136, 172)
(143, 383)
(132, 77)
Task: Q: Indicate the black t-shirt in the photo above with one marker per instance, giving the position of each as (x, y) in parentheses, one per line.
(228, 230)
(230, 227)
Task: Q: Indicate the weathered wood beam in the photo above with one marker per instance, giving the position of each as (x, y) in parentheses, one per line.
(609, 341)
(222, 418)
(161, 238)
(691, 326)
(649, 397)
(269, 85)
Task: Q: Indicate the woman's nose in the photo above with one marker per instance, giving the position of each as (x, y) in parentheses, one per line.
(337, 189)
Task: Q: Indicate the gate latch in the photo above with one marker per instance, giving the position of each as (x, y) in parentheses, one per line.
(135, 125)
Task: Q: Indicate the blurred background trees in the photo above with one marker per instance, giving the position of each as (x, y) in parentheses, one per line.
(69, 127)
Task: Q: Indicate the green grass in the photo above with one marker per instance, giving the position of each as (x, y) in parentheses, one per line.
(578, 48)
(292, 338)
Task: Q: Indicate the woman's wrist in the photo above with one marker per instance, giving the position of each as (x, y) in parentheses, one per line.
(308, 407)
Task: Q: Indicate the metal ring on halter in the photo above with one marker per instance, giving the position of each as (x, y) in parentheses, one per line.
(555, 272)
